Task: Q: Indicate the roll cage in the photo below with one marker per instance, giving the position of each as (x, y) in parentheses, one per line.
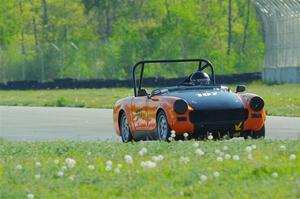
(203, 64)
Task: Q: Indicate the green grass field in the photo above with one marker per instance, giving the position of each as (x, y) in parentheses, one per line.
(264, 169)
(281, 100)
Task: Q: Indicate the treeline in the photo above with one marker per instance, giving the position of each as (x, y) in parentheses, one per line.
(101, 39)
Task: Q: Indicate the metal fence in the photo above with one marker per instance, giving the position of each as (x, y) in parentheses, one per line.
(281, 21)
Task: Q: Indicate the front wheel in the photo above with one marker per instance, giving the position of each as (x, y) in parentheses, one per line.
(163, 131)
(125, 130)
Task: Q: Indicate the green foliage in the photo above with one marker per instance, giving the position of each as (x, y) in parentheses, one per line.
(33, 167)
(103, 38)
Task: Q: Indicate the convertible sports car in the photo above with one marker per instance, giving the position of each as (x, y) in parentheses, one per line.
(197, 106)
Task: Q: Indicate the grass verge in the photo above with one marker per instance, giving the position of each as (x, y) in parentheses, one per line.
(283, 100)
(234, 169)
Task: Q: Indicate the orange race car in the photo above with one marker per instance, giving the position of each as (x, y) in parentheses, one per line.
(197, 106)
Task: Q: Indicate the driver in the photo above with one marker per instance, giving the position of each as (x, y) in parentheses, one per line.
(200, 78)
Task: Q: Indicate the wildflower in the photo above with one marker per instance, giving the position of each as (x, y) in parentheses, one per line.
(70, 162)
(89, 153)
(274, 175)
(107, 168)
(227, 156)
(63, 168)
(282, 147)
(199, 152)
(72, 177)
(253, 146)
(108, 163)
(250, 157)
(143, 151)
(216, 174)
(30, 196)
(128, 159)
(38, 164)
(56, 161)
(217, 151)
(60, 173)
(185, 135)
(293, 156)
(248, 149)
(157, 158)
(173, 134)
(91, 167)
(184, 159)
(203, 178)
(236, 157)
(148, 164)
(196, 144)
(210, 137)
(170, 139)
(266, 157)
(117, 170)
(219, 159)
(19, 167)
(37, 176)
(225, 148)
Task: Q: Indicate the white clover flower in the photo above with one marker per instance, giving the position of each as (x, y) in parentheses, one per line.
(253, 146)
(210, 137)
(185, 135)
(128, 159)
(199, 152)
(227, 156)
(19, 167)
(107, 168)
(203, 178)
(180, 141)
(30, 196)
(266, 157)
(217, 151)
(148, 164)
(282, 147)
(60, 173)
(248, 149)
(38, 164)
(37, 176)
(216, 174)
(236, 157)
(70, 162)
(108, 163)
(117, 170)
(293, 156)
(184, 160)
(89, 153)
(56, 161)
(143, 151)
(157, 158)
(225, 148)
(196, 144)
(72, 177)
(250, 157)
(91, 167)
(173, 134)
(274, 175)
(170, 139)
(219, 159)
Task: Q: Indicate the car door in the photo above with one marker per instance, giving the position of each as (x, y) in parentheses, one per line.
(139, 113)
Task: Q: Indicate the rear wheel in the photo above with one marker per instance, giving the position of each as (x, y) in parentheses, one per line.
(125, 130)
(260, 134)
(162, 127)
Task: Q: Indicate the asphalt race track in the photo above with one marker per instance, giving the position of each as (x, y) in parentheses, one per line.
(43, 123)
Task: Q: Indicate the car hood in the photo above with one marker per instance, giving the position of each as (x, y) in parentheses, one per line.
(209, 99)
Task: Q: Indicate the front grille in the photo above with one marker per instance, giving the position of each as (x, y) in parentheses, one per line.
(217, 116)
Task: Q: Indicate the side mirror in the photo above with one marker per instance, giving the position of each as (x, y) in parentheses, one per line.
(240, 88)
(142, 92)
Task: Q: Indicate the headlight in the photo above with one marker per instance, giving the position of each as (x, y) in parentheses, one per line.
(180, 106)
(257, 103)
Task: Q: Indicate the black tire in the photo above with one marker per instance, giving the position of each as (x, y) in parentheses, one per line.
(260, 134)
(163, 130)
(124, 129)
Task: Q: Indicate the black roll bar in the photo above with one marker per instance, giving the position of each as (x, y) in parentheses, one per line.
(142, 63)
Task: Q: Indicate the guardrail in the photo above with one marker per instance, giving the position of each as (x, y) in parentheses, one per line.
(69, 83)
